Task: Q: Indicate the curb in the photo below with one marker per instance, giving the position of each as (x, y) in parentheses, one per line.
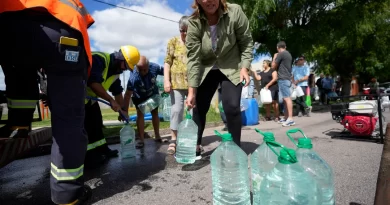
(382, 195)
(150, 134)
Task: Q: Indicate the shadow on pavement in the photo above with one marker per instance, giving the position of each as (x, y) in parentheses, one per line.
(118, 176)
(340, 134)
(353, 203)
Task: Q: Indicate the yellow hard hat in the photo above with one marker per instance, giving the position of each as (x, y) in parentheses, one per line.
(131, 55)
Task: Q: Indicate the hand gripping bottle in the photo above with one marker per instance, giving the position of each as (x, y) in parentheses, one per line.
(315, 166)
(288, 183)
(229, 170)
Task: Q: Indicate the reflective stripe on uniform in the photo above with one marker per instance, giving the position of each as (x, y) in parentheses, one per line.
(96, 144)
(66, 174)
(24, 104)
(82, 10)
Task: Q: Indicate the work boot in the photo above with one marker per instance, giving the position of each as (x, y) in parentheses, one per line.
(93, 160)
(86, 195)
(7, 132)
(108, 153)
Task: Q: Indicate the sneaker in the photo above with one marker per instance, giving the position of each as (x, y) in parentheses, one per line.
(225, 129)
(307, 111)
(300, 114)
(199, 153)
(288, 123)
(282, 120)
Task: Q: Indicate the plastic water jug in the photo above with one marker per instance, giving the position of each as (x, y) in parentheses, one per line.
(150, 104)
(315, 166)
(229, 170)
(160, 83)
(187, 137)
(127, 138)
(166, 106)
(263, 160)
(244, 104)
(288, 183)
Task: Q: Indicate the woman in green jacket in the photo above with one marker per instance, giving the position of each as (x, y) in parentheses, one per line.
(219, 51)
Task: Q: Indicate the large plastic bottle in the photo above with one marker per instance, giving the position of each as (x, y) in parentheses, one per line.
(230, 177)
(160, 83)
(150, 104)
(187, 137)
(288, 183)
(166, 106)
(127, 138)
(263, 160)
(317, 167)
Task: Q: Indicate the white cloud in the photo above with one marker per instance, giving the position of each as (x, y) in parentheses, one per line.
(115, 27)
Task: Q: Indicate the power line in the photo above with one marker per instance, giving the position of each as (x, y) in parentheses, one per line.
(121, 7)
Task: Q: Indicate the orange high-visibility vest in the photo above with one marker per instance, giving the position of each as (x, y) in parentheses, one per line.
(71, 12)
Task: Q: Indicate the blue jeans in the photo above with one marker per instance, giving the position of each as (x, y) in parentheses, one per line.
(284, 89)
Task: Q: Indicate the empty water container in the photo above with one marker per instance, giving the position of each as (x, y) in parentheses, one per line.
(150, 104)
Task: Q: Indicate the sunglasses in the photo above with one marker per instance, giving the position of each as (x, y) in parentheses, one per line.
(183, 31)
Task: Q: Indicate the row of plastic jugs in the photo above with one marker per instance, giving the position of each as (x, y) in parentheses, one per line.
(279, 175)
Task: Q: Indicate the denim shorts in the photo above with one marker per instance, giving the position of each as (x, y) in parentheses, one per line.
(284, 89)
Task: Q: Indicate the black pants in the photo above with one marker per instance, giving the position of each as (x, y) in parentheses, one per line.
(231, 96)
(93, 124)
(301, 101)
(29, 42)
(223, 116)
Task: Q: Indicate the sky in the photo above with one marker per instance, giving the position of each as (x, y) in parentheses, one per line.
(115, 27)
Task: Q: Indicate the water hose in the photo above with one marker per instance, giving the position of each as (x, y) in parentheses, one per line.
(109, 104)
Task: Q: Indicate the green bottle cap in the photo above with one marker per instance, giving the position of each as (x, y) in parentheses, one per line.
(268, 136)
(225, 137)
(305, 143)
(287, 156)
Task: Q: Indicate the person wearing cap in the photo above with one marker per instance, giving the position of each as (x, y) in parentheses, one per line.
(142, 86)
(104, 76)
(301, 74)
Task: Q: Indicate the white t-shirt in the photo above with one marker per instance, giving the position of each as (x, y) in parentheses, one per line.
(214, 40)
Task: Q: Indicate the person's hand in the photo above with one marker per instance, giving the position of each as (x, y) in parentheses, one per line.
(114, 105)
(124, 114)
(190, 101)
(244, 76)
(275, 55)
(266, 87)
(167, 86)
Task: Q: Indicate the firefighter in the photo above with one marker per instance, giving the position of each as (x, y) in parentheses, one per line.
(52, 35)
(105, 72)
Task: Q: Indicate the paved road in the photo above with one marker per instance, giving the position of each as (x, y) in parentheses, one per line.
(154, 178)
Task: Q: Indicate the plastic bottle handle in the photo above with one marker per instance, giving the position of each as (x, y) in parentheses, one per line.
(259, 131)
(275, 144)
(292, 131)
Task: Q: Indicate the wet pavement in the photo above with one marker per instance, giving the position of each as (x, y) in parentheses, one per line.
(154, 178)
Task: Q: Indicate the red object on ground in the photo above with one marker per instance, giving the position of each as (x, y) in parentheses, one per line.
(359, 125)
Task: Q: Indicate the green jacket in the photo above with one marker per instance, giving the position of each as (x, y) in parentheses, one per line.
(234, 46)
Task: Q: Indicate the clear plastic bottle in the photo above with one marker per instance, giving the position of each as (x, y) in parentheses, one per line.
(150, 104)
(127, 138)
(263, 160)
(187, 137)
(317, 167)
(229, 170)
(160, 83)
(166, 106)
(244, 104)
(288, 183)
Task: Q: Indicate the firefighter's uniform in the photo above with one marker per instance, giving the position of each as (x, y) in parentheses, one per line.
(105, 70)
(49, 34)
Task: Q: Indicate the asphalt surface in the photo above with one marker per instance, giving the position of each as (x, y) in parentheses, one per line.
(154, 178)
